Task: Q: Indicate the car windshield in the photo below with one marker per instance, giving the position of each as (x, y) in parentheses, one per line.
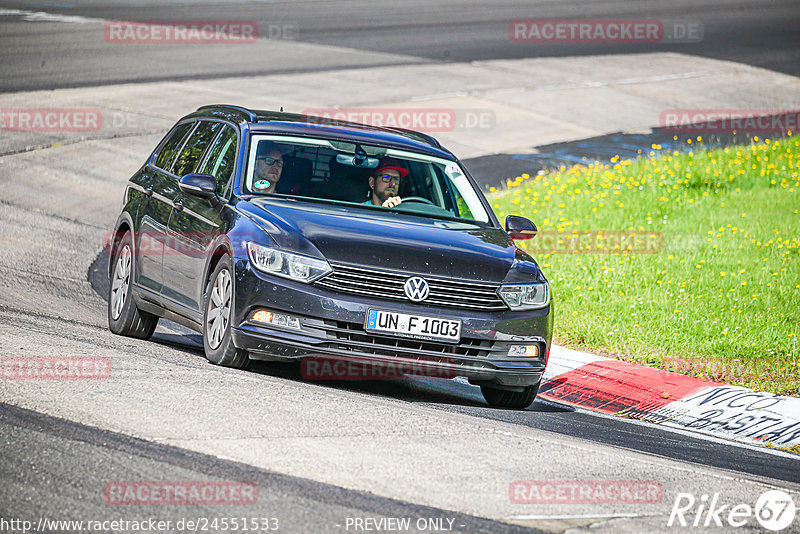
(346, 173)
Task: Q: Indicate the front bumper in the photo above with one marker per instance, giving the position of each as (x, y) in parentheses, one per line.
(332, 325)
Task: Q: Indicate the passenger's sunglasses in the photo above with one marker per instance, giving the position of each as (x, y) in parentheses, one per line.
(271, 161)
(386, 178)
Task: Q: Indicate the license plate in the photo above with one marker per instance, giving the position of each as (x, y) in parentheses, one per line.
(414, 326)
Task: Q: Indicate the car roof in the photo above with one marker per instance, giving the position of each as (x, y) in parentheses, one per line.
(279, 122)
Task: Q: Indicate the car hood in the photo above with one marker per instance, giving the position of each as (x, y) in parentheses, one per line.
(391, 240)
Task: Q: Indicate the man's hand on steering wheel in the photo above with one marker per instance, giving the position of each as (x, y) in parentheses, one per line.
(392, 202)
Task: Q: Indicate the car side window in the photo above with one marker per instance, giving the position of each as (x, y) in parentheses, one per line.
(222, 158)
(167, 154)
(195, 148)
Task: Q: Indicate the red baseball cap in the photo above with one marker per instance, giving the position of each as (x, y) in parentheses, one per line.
(391, 163)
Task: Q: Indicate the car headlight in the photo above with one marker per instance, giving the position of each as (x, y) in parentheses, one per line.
(289, 265)
(525, 296)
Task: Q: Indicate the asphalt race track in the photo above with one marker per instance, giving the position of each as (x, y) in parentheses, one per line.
(333, 456)
(755, 33)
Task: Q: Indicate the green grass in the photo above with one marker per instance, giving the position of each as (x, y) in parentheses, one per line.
(794, 448)
(707, 279)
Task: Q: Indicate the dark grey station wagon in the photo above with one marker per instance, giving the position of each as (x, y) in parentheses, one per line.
(286, 237)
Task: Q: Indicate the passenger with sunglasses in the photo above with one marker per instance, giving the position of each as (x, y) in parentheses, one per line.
(384, 183)
(269, 165)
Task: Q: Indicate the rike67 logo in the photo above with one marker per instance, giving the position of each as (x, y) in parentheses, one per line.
(774, 510)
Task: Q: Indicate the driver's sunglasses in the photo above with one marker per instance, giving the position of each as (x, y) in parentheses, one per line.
(271, 161)
(386, 178)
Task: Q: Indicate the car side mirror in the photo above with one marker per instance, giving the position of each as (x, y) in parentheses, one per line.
(199, 185)
(520, 227)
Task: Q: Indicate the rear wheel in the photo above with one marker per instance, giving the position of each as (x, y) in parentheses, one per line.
(218, 307)
(124, 318)
(503, 398)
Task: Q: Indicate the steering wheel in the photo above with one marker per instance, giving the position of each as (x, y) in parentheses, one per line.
(418, 199)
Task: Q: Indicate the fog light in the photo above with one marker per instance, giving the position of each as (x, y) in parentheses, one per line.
(531, 351)
(277, 319)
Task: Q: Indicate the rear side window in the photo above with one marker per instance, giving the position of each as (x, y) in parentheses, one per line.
(195, 148)
(222, 158)
(174, 142)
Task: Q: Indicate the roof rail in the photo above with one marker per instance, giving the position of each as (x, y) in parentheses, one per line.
(415, 135)
(252, 116)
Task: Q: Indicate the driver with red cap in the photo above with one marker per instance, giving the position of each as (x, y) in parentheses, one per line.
(384, 183)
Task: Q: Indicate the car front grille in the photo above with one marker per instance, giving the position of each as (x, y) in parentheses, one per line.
(352, 337)
(388, 285)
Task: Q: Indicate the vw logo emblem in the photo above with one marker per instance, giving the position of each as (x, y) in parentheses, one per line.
(416, 289)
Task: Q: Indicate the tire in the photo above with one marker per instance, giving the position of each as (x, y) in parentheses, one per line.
(124, 318)
(217, 306)
(515, 400)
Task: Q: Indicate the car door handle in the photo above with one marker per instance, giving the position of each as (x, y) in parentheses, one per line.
(178, 205)
(148, 191)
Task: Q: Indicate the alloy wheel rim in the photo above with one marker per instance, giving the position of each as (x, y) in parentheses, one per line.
(119, 285)
(219, 309)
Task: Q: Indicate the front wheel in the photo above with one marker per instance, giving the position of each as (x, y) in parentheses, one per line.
(217, 342)
(515, 400)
